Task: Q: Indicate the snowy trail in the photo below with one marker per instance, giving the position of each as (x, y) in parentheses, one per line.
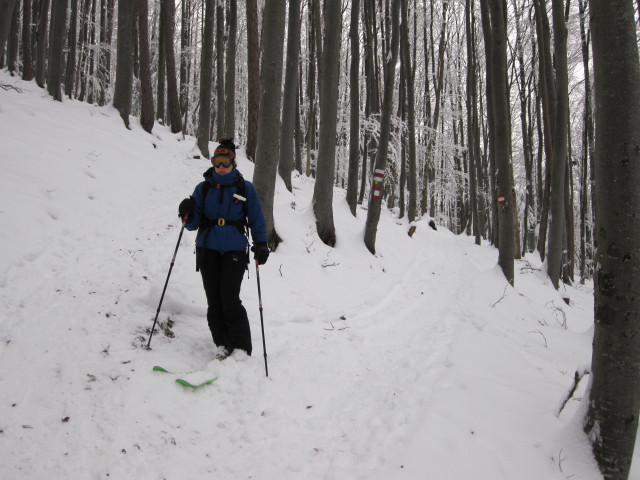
(414, 363)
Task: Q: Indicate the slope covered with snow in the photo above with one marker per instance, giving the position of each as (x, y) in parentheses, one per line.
(419, 362)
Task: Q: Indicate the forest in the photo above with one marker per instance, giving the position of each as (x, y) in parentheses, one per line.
(480, 114)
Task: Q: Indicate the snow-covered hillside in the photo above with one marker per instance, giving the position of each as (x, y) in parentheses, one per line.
(417, 363)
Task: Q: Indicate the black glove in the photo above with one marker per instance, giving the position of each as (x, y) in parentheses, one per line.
(186, 208)
(260, 253)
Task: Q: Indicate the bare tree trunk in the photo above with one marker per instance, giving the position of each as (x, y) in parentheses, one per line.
(230, 80)
(104, 52)
(124, 65)
(147, 114)
(502, 137)
(323, 189)
(548, 94)
(220, 100)
(42, 43)
(70, 73)
(557, 200)
(285, 165)
(184, 55)
(162, 77)
(206, 75)
(372, 103)
(375, 199)
(472, 121)
(56, 48)
(311, 86)
(13, 42)
(428, 203)
(27, 30)
(354, 113)
(411, 114)
(491, 150)
(267, 150)
(253, 69)
(588, 146)
(170, 57)
(6, 14)
(614, 400)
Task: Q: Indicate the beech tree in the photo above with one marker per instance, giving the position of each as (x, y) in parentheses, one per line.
(220, 99)
(285, 164)
(380, 166)
(614, 399)
(267, 149)
(354, 114)
(253, 76)
(124, 66)
(56, 48)
(411, 114)
(147, 115)
(323, 189)
(168, 26)
(6, 14)
(230, 78)
(456, 174)
(206, 75)
(497, 64)
(559, 159)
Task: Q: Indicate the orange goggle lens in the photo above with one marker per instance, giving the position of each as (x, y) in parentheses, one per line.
(221, 161)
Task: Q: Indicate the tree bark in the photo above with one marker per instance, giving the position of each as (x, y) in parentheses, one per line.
(56, 48)
(27, 31)
(70, 73)
(124, 64)
(502, 137)
(42, 42)
(253, 69)
(375, 199)
(412, 211)
(170, 57)
(220, 93)
(285, 165)
(6, 14)
(267, 149)
(161, 75)
(147, 114)
(329, 82)
(614, 400)
(354, 113)
(13, 41)
(587, 148)
(230, 79)
(206, 75)
(557, 199)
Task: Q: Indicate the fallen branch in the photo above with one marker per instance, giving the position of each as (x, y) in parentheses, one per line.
(576, 380)
(6, 86)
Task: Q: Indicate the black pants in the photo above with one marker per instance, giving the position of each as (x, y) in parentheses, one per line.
(222, 276)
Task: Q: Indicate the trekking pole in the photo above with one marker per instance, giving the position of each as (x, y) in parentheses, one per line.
(264, 345)
(173, 260)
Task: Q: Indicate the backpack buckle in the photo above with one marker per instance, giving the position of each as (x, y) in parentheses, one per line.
(221, 222)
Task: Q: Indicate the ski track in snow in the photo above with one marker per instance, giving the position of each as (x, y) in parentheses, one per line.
(417, 362)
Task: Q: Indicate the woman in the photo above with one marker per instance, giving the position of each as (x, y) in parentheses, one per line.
(221, 208)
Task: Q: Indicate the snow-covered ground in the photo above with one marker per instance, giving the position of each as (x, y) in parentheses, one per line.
(417, 363)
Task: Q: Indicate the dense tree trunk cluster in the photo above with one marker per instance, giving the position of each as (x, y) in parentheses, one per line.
(477, 114)
(483, 134)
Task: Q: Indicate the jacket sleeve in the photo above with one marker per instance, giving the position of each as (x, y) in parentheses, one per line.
(255, 215)
(194, 223)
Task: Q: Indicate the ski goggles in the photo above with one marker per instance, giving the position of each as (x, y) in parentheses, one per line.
(221, 161)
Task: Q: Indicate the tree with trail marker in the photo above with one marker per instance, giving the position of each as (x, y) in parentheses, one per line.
(375, 198)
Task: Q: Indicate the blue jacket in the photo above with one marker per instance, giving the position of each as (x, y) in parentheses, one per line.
(220, 203)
